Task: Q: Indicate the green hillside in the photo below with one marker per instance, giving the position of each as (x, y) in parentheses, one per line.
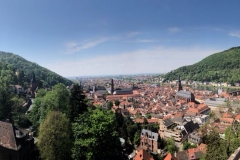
(219, 67)
(44, 77)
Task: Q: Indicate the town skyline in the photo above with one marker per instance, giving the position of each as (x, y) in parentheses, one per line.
(84, 38)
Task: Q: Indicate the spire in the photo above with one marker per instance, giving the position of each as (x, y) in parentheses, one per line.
(112, 86)
(179, 84)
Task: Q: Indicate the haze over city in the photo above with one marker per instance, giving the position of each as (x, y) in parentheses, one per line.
(81, 38)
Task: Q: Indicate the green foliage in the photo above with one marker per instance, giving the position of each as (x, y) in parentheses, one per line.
(121, 126)
(116, 102)
(218, 67)
(148, 116)
(187, 145)
(216, 149)
(41, 92)
(44, 76)
(154, 127)
(16, 104)
(77, 102)
(232, 139)
(57, 99)
(137, 137)
(170, 146)
(5, 103)
(36, 113)
(54, 137)
(132, 128)
(23, 121)
(109, 105)
(95, 136)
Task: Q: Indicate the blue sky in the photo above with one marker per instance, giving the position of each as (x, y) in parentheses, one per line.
(105, 37)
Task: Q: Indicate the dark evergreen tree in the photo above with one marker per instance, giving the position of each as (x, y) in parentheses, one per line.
(77, 103)
(5, 103)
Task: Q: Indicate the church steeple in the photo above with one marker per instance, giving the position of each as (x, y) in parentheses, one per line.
(179, 84)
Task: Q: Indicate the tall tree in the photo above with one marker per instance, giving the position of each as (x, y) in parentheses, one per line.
(54, 137)
(216, 149)
(6, 78)
(77, 102)
(57, 99)
(95, 136)
(5, 103)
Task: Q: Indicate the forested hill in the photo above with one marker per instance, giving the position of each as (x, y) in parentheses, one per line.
(44, 77)
(219, 67)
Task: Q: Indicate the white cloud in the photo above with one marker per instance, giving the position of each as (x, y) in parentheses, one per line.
(73, 47)
(152, 60)
(174, 30)
(234, 34)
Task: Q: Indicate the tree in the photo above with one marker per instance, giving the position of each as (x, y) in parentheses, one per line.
(148, 116)
(121, 126)
(154, 127)
(35, 114)
(109, 105)
(95, 136)
(54, 137)
(132, 129)
(215, 147)
(77, 103)
(41, 92)
(116, 102)
(136, 139)
(187, 145)
(5, 103)
(57, 99)
(170, 146)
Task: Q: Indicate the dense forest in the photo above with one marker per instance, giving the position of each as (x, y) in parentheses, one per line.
(218, 67)
(24, 68)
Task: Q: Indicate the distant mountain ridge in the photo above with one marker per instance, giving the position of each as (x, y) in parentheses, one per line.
(218, 67)
(43, 75)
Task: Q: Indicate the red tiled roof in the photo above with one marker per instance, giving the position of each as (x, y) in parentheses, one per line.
(170, 157)
(143, 155)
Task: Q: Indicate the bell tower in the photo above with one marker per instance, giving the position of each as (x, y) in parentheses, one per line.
(179, 84)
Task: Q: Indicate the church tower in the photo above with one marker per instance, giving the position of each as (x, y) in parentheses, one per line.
(179, 84)
(112, 86)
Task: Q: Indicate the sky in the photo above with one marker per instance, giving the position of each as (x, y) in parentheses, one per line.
(117, 37)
